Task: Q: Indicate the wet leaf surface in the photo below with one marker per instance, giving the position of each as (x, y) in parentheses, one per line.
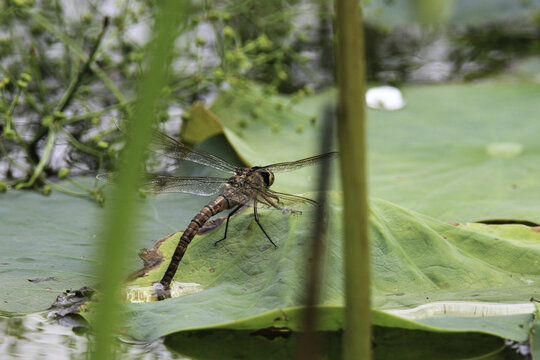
(417, 260)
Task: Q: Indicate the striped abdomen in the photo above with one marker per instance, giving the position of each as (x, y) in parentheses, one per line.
(219, 204)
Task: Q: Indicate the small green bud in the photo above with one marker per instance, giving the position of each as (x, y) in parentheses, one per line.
(22, 84)
(250, 46)
(263, 43)
(46, 190)
(219, 74)
(63, 173)
(26, 77)
(229, 32)
(102, 144)
(299, 129)
(47, 120)
(9, 134)
(95, 120)
(282, 75)
(200, 41)
(87, 17)
(59, 115)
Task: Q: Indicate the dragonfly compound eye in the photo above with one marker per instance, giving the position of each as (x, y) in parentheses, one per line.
(268, 177)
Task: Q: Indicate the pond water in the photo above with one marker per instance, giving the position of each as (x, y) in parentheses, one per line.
(36, 336)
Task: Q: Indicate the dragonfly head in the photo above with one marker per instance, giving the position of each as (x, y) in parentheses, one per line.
(267, 176)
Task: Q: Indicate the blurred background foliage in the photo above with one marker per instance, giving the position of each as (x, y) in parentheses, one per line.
(67, 69)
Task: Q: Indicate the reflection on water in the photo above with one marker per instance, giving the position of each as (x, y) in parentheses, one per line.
(36, 337)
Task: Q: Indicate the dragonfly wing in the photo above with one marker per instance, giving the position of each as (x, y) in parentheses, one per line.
(165, 145)
(108, 178)
(289, 199)
(173, 184)
(279, 200)
(192, 185)
(294, 165)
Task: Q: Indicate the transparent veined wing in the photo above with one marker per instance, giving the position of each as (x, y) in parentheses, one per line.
(294, 165)
(165, 145)
(153, 183)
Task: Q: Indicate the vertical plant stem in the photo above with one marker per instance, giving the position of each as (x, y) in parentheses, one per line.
(351, 135)
(309, 342)
(121, 219)
(51, 139)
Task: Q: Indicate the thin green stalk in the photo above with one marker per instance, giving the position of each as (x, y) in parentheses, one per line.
(121, 219)
(76, 82)
(51, 139)
(352, 143)
(64, 190)
(47, 25)
(79, 145)
(92, 114)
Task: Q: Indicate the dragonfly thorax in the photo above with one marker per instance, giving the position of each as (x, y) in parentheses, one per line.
(266, 175)
(256, 177)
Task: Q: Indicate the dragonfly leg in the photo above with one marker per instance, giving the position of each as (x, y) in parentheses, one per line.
(255, 202)
(227, 223)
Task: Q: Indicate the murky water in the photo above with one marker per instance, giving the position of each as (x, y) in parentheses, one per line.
(35, 336)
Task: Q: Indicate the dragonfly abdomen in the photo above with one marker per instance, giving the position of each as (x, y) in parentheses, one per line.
(218, 205)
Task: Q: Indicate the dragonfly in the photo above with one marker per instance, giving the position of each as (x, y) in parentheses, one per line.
(246, 186)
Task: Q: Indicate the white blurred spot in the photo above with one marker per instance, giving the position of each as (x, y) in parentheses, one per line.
(385, 98)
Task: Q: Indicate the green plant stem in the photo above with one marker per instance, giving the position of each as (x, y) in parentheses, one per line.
(351, 135)
(61, 106)
(51, 139)
(121, 219)
(47, 25)
(76, 82)
(64, 190)
(34, 61)
(90, 115)
(78, 145)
